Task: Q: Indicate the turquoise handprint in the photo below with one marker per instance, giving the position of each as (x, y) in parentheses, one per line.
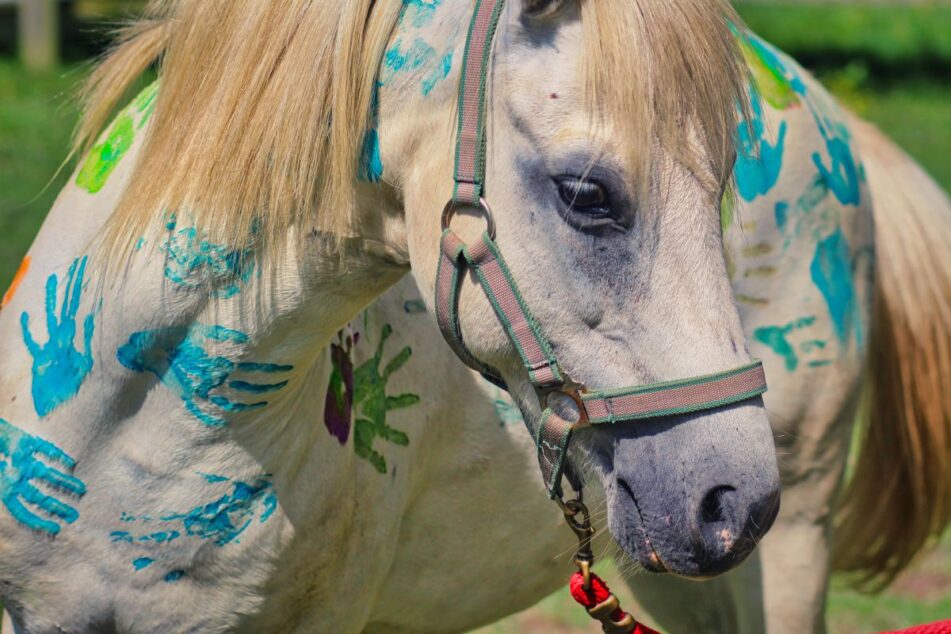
(758, 162)
(21, 467)
(843, 174)
(221, 520)
(179, 356)
(224, 519)
(59, 368)
(192, 262)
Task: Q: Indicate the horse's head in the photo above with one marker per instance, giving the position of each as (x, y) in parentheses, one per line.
(610, 128)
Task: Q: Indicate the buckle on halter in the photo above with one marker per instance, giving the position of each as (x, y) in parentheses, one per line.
(567, 402)
(482, 208)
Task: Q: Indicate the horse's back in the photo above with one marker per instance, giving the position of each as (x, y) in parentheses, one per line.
(800, 241)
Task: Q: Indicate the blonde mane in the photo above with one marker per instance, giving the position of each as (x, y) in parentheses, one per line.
(264, 105)
(668, 73)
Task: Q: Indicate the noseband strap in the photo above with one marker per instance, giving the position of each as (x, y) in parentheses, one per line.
(568, 405)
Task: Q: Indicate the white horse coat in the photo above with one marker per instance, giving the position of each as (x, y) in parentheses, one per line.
(378, 485)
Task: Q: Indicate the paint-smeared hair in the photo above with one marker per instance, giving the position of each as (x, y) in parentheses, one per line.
(263, 105)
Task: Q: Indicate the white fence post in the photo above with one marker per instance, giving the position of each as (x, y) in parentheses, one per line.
(39, 33)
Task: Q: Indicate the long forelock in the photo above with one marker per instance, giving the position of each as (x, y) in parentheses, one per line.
(667, 73)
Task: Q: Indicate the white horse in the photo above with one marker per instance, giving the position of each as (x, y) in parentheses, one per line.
(170, 467)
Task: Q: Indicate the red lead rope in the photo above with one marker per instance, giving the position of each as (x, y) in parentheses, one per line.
(941, 627)
(603, 606)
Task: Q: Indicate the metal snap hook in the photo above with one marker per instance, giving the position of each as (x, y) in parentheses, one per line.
(584, 531)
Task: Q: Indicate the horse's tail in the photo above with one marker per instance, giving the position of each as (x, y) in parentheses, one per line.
(138, 45)
(899, 494)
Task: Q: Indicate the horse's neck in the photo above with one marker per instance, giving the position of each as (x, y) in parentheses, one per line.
(183, 307)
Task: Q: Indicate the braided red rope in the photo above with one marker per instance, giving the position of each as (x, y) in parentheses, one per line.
(941, 627)
(597, 594)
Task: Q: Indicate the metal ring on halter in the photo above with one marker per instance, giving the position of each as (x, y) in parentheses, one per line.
(483, 207)
(572, 392)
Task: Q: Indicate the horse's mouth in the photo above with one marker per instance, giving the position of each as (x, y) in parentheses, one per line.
(655, 563)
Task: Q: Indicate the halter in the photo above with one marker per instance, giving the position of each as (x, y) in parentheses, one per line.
(484, 258)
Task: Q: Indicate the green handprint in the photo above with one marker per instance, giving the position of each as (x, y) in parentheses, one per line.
(371, 397)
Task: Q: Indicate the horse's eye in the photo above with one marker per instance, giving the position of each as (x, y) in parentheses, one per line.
(585, 196)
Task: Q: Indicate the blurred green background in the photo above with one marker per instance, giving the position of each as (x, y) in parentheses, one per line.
(891, 63)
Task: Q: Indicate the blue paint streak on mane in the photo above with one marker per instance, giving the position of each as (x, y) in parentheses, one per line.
(24, 462)
(371, 162)
(59, 368)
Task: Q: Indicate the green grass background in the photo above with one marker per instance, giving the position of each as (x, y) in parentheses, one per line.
(890, 64)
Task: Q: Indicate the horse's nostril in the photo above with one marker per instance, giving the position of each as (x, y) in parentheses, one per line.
(712, 507)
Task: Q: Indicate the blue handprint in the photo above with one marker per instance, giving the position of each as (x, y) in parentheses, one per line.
(193, 262)
(224, 519)
(21, 467)
(221, 521)
(758, 163)
(842, 176)
(180, 358)
(58, 366)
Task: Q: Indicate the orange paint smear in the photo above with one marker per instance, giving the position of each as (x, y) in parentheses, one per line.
(20, 274)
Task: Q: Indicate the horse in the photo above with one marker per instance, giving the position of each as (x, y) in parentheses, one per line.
(778, 227)
(155, 481)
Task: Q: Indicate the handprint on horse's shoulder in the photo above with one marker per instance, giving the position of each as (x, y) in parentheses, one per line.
(59, 366)
(201, 364)
(26, 461)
